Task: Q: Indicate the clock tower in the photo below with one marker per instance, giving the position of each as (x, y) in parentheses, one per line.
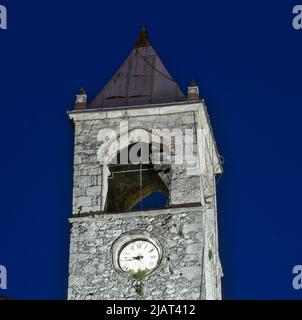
(144, 223)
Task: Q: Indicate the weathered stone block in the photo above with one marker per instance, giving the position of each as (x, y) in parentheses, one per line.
(191, 228)
(191, 273)
(194, 248)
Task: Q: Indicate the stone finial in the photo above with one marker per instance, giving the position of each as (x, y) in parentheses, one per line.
(193, 91)
(81, 100)
(143, 39)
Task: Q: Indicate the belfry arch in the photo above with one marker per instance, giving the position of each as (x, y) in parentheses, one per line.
(135, 165)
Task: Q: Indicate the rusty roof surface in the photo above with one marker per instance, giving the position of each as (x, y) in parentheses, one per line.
(141, 79)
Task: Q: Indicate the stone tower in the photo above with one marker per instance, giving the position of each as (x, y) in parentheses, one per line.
(144, 222)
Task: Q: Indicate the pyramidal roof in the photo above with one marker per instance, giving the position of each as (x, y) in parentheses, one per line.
(141, 79)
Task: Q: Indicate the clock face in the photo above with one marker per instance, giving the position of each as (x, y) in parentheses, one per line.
(139, 255)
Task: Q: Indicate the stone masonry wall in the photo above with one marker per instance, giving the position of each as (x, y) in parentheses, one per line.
(190, 268)
(88, 171)
(179, 276)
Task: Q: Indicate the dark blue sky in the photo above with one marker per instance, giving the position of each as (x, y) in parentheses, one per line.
(247, 60)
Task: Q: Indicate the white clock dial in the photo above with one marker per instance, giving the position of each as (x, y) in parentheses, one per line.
(139, 255)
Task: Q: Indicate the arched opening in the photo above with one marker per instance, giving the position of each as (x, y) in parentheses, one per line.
(135, 183)
(155, 200)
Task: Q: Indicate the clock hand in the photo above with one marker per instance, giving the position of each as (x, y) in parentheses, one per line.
(139, 257)
(135, 258)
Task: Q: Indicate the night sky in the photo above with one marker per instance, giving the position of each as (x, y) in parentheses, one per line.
(247, 60)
